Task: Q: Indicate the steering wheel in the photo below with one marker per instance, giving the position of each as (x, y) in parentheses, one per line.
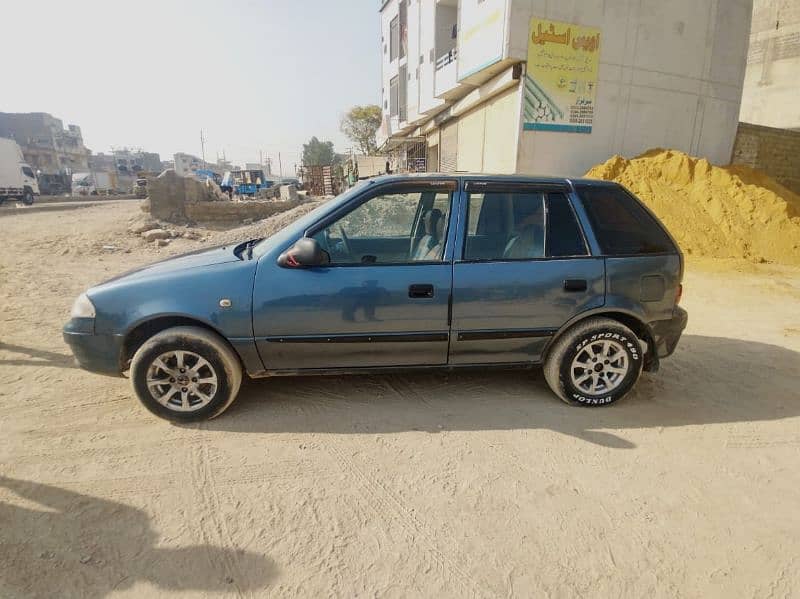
(345, 242)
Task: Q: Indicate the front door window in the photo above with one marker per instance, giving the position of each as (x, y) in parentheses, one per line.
(391, 228)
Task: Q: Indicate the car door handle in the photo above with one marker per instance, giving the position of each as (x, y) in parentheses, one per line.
(420, 291)
(575, 285)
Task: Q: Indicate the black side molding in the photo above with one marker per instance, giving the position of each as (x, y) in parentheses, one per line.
(505, 334)
(376, 338)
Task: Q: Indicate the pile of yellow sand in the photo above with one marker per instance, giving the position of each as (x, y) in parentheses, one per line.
(724, 212)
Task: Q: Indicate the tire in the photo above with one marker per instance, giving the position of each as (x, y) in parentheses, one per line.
(613, 357)
(27, 197)
(167, 400)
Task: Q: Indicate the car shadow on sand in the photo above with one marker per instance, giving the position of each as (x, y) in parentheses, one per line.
(59, 543)
(35, 357)
(708, 380)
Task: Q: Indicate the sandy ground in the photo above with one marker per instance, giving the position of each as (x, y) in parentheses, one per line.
(460, 485)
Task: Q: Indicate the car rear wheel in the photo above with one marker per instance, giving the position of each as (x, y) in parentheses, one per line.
(186, 374)
(595, 363)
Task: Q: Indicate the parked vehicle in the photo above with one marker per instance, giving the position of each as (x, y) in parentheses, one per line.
(140, 188)
(54, 184)
(95, 183)
(204, 174)
(402, 272)
(17, 179)
(83, 184)
(245, 182)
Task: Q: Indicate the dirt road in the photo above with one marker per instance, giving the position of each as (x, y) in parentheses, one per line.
(461, 485)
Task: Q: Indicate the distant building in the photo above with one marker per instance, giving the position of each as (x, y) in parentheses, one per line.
(222, 165)
(516, 86)
(186, 164)
(770, 96)
(45, 143)
(101, 162)
(136, 161)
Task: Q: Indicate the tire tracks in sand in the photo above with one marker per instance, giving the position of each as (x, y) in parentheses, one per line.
(209, 522)
(387, 505)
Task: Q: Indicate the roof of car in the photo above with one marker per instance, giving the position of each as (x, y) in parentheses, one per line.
(490, 177)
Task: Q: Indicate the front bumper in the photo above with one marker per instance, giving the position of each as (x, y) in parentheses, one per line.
(96, 353)
(667, 333)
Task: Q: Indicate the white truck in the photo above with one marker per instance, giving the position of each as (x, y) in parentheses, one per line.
(17, 179)
(94, 183)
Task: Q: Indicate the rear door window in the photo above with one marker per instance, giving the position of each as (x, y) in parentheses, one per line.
(521, 225)
(621, 224)
(564, 237)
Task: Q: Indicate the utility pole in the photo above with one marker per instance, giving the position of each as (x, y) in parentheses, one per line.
(203, 147)
(280, 165)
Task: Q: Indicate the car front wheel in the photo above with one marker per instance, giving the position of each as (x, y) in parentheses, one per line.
(186, 374)
(595, 363)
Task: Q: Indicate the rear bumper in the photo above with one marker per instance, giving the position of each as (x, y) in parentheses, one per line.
(667, 333)
(96, 353)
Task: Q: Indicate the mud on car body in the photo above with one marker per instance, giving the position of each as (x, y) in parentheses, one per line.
(402, 272)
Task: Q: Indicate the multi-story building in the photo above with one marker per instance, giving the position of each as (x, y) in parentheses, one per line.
(45, 143)
(532, 86)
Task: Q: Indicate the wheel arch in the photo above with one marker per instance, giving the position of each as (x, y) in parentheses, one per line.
(630, 319)
(143, 330)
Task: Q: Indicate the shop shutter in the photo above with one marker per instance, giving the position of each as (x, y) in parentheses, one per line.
(448, 148)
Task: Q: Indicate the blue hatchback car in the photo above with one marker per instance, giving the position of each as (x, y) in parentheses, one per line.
(402, 272)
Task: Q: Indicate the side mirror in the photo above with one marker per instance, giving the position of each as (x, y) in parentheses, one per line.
(305, 252)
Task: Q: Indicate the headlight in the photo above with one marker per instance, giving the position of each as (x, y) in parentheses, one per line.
(83, 307)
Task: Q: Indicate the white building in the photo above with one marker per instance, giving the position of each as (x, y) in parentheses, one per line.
(460, 91)
(771, 97)
(186, 164)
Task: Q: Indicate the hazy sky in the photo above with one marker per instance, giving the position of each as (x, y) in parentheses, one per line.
(254, 74)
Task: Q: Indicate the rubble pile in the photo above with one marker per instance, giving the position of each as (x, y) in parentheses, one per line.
(161, 234)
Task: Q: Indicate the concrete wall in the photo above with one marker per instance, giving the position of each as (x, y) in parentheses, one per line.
(486, 135)
(178, 199)
(670, 76)
(771, 95)
(226, 214)
(774, 151)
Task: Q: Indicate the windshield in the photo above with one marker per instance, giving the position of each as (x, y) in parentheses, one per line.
(296, 228)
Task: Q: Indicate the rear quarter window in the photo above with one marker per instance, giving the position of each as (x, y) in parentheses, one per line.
(621, 224)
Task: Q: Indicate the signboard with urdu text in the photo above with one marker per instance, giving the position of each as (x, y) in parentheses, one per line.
(561, 79)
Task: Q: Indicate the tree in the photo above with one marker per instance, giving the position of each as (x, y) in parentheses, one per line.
(317, 152)
(360, 125)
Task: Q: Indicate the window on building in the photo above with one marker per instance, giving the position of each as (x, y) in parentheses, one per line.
(394, 38)
(403, 96)
(403, 28)
(621, 224)
(394, 98)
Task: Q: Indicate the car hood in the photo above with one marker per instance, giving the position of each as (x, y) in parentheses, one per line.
(204, 257)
